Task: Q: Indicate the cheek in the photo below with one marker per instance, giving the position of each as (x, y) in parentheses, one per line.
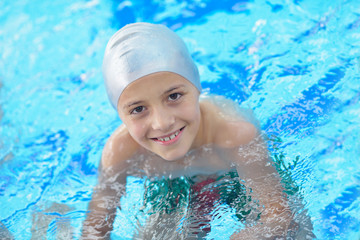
(191, 112)
(136, 130)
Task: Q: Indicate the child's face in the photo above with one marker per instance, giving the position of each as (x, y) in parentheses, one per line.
(161, 112)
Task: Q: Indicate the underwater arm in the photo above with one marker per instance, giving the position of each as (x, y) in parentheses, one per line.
(111, 186)
(254, 166)
(102, 207)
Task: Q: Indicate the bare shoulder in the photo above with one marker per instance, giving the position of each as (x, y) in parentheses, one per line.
(119, 147)
(235, 133)
(228, 131)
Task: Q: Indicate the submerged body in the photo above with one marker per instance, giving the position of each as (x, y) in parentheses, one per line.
(167, 133)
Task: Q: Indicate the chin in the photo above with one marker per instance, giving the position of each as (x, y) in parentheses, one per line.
(172, 156)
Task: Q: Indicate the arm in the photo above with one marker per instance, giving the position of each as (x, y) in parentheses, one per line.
(102, 207)
(244, 146)
(111, 185)
(254, 166)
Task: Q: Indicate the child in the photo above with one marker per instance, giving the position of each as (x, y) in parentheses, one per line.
(154, 85)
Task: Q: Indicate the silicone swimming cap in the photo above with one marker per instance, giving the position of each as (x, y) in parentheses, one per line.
(140, 49)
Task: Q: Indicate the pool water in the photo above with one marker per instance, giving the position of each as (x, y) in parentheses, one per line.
(295, 63)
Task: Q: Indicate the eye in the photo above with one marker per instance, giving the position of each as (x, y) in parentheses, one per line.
(174, 96)
(137, 110)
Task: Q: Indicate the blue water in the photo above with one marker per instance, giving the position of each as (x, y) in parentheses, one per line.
(296, 63)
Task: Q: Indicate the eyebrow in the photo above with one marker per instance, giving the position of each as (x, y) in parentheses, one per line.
(166, 92)
(132, 104)
(173, 88)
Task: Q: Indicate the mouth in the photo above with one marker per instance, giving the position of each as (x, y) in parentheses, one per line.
(169, 139)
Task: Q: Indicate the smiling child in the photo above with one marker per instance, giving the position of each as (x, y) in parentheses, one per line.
(167, 132)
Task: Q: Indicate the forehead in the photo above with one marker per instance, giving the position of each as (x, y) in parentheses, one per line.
(153, 84)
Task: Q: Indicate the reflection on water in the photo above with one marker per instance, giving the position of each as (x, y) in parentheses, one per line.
(213, 206)
(188, 205)
(52, 220)
(296, 63)
(5, 233)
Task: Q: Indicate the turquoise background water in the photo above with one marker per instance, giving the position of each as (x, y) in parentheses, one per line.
(296, 63)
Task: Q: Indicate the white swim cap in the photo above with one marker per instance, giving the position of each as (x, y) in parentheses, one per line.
(140, 49)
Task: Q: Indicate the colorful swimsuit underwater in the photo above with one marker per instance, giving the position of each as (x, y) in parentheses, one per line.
(170, 195)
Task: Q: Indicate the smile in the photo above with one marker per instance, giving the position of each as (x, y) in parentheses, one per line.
(169, 139)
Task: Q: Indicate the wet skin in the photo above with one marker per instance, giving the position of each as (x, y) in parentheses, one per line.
(162, 114)
(165, 124)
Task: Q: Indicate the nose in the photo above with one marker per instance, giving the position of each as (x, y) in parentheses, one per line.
(162, 119)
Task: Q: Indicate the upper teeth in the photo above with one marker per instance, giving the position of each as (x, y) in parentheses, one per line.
(170, 137)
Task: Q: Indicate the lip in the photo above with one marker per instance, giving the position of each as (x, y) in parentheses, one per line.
(170, 141)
